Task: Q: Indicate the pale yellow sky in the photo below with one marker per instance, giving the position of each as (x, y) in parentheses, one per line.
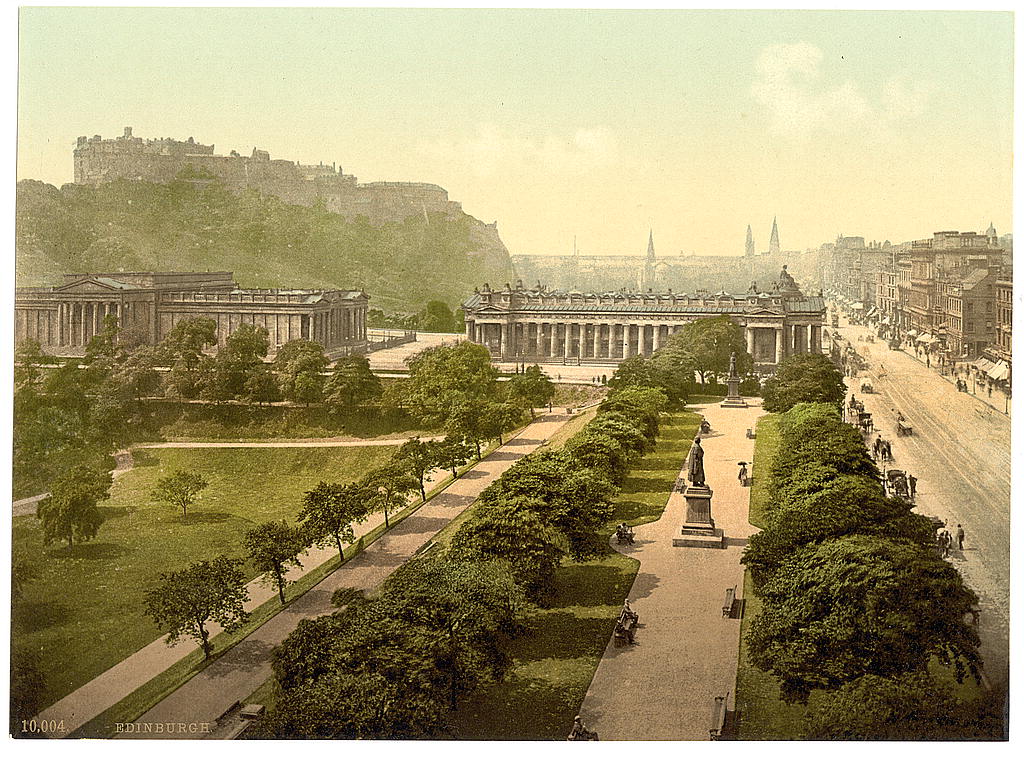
(597, 124)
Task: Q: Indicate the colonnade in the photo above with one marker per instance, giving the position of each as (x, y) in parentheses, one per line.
(69, 324)
(590, 340)
(336, 326)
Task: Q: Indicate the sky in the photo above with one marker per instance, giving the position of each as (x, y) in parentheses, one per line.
(597, 125)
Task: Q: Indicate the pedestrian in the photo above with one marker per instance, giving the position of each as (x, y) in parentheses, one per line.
(913, 486)
(990, 390)
(888, 450)
(960, 538)
(928, 361)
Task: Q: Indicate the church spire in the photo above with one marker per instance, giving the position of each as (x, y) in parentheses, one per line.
(750, 241)
(773, 243)
(647, 275)
(650, 246)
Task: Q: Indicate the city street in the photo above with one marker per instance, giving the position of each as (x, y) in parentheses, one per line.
(960, 452)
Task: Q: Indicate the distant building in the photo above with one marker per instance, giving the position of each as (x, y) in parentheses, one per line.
(545, 325)
(773, 244)
(164, 160)
(749, 250)
(148, 304)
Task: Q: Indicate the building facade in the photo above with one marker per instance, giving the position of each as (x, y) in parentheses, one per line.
(556, 326)
(148, 304)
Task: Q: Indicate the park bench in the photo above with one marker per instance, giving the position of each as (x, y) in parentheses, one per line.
(750, 434)
(625, 626)
(730, 598)
(717, 718)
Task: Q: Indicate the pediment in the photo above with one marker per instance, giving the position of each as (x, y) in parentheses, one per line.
(485, 309)
(86, 286)
(765, 312)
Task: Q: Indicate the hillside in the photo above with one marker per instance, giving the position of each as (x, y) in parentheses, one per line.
(139, 226)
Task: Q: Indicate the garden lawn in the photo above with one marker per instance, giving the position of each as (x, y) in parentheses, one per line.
(555, 661)
(765, 444)
(84, 611)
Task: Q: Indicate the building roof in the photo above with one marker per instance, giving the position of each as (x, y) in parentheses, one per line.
(116, 284)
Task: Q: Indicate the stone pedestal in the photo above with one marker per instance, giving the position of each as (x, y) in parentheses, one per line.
(699, 528)
(733, 398)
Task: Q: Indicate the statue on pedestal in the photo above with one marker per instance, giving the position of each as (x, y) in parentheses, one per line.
(696, 470)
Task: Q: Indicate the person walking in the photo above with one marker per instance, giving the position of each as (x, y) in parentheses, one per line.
(912, 481)
(960, 538)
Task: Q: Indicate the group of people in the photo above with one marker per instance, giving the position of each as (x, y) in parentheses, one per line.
(624, 533)
(626, 625)
(882, 449)
(947, 540)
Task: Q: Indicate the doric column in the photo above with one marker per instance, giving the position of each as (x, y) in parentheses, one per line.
(625, 341)
(810, 339)
(597, 340)
(779, 345)
(657, 337)
(750, 340)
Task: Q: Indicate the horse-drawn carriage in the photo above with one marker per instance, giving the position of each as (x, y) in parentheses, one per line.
(867, 388)
(897, 484)
(903, 429)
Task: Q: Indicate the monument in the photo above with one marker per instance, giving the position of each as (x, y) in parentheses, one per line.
(699, 529)
(733, 398)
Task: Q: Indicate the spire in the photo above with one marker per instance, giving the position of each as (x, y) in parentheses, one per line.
(773, 243)
(650, 246)
(750, 241)
(647, 274)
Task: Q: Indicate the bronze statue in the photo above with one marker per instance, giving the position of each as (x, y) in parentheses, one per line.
(697, 464)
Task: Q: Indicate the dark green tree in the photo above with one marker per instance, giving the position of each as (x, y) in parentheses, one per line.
(417, 459)
(70, 512)
(389, 486)
(450, 453)
(300, 365)
(856, 605)
(530, 389)
(438, 317)
(443, 378)
(183, 350)
(272, 547)
(185, 602)
(352, 383)
(708, 344)
(804, 378)
(330, 510)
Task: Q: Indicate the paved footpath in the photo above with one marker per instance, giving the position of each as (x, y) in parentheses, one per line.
(119, 681)
(241, 670)
(663, 687)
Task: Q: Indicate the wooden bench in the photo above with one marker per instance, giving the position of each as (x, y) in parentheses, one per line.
(717, 718)
(730, 598)
(625, 626)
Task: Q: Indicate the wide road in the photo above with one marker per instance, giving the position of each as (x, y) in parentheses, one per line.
(960, 452)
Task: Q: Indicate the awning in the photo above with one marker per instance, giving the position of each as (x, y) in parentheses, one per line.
(1000, 371)
(912, 333)
(926, 338)
(858, 306)
(872, 312)
(983, 364)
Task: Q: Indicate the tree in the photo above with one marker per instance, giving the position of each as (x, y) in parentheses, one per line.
(642, 404)
(573, 500)
(855, 605)
(599, 452)
(804, 378)
(300, 365)
(185, 602)
(910, 706)
(237, 362)
(437, 317)
(273, 546)
(443, 378)
(387, 485)
(623, 429)
(416, 457)
(329, 511)
(70, 511)
(352, 383)
(707, 344)
(137, 373)
(513, 530)
(183, 350)
(498, 418)
(467, 419)
(180, 489)
(530, 389)
(450, 453)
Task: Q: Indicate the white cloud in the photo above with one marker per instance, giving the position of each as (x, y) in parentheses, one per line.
(493, 151)
(789, 85)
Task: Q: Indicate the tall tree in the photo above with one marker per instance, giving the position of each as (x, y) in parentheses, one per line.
(185, 602)
(805, 378)
(180, 489)
(70, 511)
(855, 605)
(445, 377)
(330, 510)
(273, 546)
(437, 317)
(389, 486)
(417, 459)
(237, 362)
(352, 383)
(300, 365)
(450, 453)
(530, 389)
(183, 350)
(709, 343)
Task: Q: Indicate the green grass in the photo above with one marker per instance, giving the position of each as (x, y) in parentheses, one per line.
(573, 425)
(83, 612)
(761, 491)
(555, 661)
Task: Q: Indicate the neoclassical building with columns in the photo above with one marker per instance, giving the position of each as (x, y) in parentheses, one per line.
(148, 304)
(543, 325)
